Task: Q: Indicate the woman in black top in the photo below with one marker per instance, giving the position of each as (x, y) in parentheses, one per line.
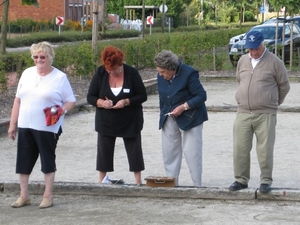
(117, 91)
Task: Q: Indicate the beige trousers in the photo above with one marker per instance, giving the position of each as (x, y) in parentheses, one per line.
(263, 127)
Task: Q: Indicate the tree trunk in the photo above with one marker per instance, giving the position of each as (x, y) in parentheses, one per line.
(4, 26)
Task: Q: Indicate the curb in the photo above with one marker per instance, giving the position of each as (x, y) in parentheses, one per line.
(131, 190)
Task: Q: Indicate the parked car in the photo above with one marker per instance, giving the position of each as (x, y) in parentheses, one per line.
(239, 37)
(234, 40)
(269, 31)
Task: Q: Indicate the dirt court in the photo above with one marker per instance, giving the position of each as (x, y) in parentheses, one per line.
(78, 210)
(76, 153)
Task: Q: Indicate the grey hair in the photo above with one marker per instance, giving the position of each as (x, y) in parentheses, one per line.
(167, 60)
(43, 47)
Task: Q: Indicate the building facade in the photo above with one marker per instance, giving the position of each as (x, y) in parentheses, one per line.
(69, 9)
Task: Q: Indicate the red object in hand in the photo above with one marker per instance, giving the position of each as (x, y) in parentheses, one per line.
(52, 119)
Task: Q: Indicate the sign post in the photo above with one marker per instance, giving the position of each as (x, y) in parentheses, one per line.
(163, 9)
(150, 22)
(59, 22)
(82, 22)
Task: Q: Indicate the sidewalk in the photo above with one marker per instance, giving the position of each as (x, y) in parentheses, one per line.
(76, 172)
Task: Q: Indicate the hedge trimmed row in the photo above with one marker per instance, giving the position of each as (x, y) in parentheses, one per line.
(194, 48)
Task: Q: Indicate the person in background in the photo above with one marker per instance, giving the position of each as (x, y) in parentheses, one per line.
(40, 88)
(117, 91)
(182, 113)
(262, 86)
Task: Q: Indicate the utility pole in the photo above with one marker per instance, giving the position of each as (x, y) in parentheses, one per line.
(4, 26)
(103, 16)
(95, 31)
(143, 19)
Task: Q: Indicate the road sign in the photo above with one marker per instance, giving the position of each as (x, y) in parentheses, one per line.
(59, 20)
(150, 20)
(163, 8)
(262, 9)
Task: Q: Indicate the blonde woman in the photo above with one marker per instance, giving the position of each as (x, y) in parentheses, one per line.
(40, 87)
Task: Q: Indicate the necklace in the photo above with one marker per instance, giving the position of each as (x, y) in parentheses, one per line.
(38, 79)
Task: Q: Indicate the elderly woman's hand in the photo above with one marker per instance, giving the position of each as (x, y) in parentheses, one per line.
(179, 109)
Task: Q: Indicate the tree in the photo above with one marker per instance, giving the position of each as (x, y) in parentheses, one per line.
(4, 24)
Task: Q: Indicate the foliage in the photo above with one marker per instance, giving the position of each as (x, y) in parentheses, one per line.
(30, 2)
(291, 6)
(195, 49)
(3, 77)
(249, 16)
(28, 25)
(68, 36)
(207, 61)
(76, 59)
(83, 66)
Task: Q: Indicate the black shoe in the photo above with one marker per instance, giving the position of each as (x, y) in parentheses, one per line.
(265, 188)
(236, 186)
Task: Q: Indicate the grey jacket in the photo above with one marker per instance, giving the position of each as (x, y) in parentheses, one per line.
(262, 89)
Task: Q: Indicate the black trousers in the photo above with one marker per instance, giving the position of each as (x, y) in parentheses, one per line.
(105, 153)
(32, 144)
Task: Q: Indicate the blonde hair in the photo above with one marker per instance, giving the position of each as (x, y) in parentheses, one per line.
(45, 47)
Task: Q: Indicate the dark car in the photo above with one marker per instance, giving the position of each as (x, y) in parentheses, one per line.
(288, 19)
(269, 31)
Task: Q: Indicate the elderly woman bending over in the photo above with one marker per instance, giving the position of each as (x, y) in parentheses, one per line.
(182, 113)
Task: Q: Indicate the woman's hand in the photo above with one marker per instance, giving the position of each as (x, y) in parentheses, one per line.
(106, 104)
(120, 104)
(12, 132)
(179, 109)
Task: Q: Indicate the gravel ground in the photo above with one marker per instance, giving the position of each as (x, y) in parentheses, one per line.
(80, 87)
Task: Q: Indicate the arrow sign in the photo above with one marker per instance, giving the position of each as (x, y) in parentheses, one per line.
(59, 20)
(150, 20)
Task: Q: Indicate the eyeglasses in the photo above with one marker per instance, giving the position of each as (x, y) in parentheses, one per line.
(41, 57)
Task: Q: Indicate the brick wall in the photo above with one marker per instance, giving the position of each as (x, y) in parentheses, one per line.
(48, 9)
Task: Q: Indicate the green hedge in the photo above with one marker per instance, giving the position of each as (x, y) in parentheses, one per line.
(67, 36)
(194, 48)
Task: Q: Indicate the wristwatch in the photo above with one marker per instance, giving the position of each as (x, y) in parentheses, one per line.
(185, 106)
(65, 112)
